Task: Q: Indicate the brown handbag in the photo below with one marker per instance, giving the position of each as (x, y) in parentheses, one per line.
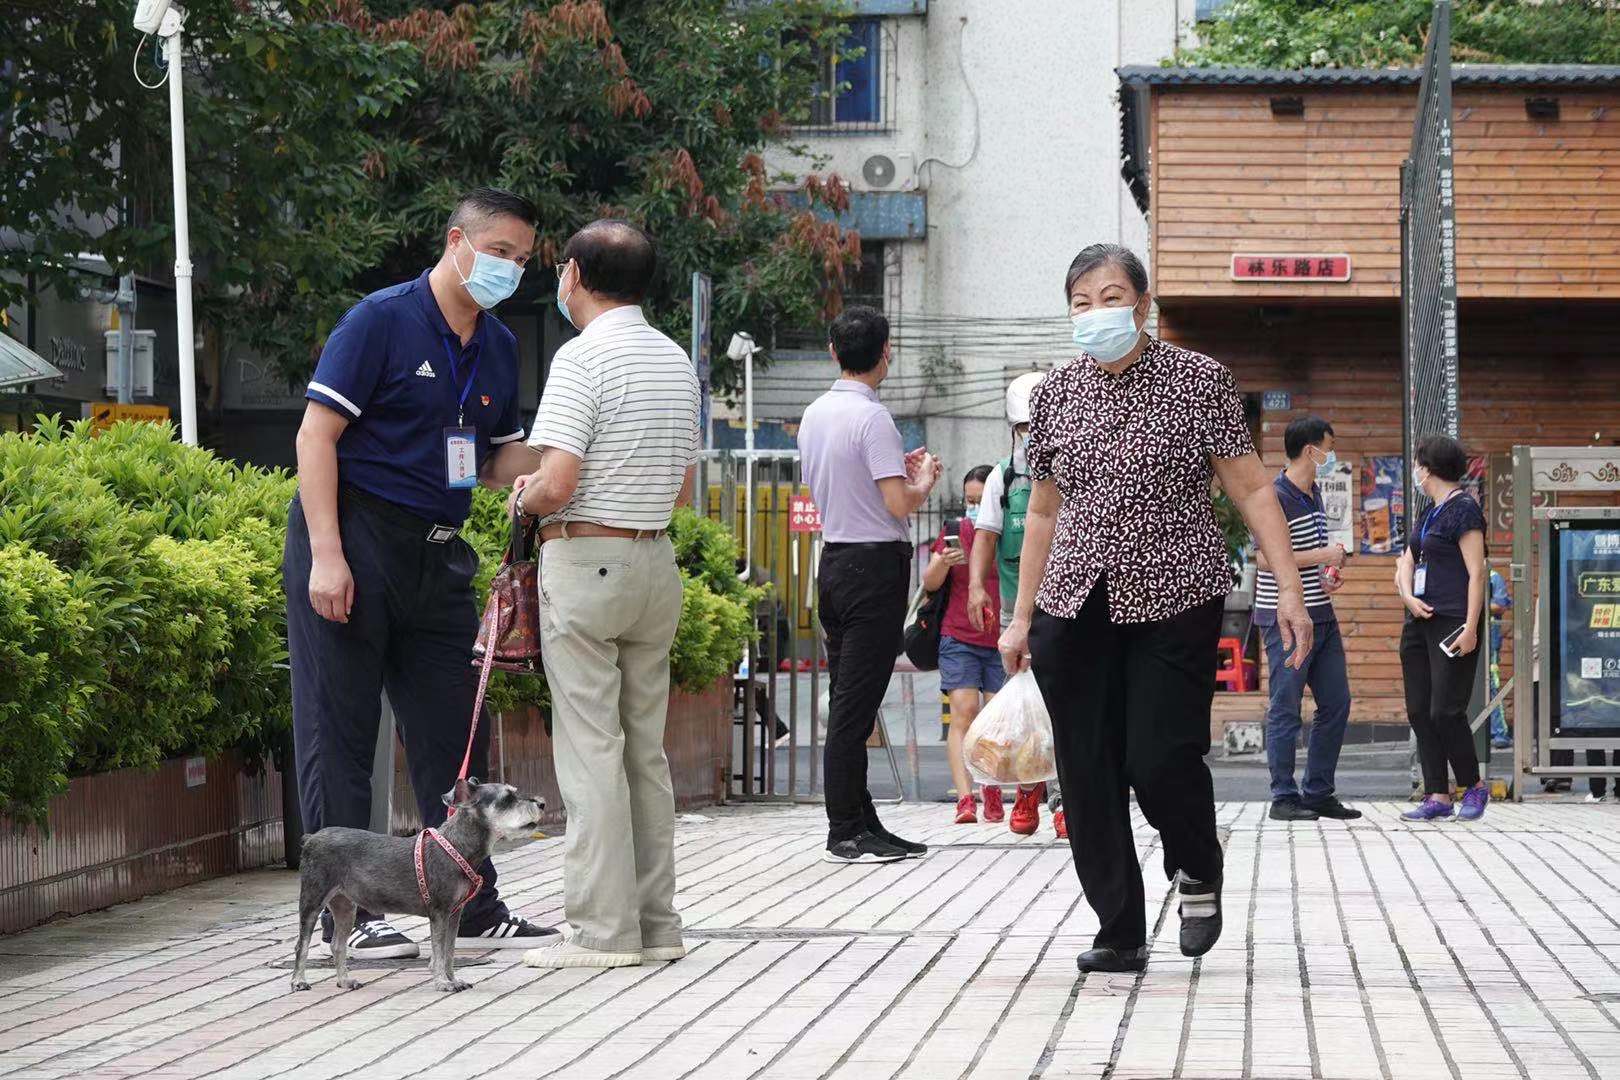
(513, 611)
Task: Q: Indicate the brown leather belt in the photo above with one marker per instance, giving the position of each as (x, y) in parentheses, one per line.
(578, 530)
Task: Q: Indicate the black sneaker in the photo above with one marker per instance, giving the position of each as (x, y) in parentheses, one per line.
(912, 849)
(1331, 807)
(865, 848)
(1292, 810)
(374, 939)
(503, 930)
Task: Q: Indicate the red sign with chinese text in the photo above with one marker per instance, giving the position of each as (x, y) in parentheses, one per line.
(1297, 267)
(803, 517)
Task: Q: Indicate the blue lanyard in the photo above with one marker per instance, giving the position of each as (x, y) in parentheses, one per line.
(1428, 519)
(455, 375)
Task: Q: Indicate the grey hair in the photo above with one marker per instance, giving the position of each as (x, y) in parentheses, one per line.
(1102, 255)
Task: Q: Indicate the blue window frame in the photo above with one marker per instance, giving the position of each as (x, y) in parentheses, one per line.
(859, 101)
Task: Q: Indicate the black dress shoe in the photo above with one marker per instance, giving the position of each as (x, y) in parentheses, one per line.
(1199, 933)
(1113, 959)
(1291, 810)
(1331, 808)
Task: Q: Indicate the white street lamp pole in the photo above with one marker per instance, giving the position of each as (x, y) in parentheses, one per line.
(162, 18)
(185, 333)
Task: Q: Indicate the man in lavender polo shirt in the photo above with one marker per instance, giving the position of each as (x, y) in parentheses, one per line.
(866, 487)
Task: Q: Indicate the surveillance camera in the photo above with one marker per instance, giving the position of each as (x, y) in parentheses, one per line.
(742, 346)
(149, 15)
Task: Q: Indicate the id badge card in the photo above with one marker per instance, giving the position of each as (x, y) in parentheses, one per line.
(1420, 579)
(461, 457)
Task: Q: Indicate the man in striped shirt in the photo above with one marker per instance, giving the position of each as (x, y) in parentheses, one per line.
(618, 435)
(1309, 444)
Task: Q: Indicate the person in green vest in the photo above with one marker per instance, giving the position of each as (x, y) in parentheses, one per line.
(998, 540)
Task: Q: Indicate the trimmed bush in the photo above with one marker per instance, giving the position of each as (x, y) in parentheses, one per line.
(142, 614)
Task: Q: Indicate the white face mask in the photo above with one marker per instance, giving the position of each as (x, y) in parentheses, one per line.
(1106, 334)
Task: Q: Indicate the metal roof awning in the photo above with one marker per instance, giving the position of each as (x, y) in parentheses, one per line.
(20, 365)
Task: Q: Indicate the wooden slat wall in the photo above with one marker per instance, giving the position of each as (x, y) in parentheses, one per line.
(1538, 203)
(1543, 374)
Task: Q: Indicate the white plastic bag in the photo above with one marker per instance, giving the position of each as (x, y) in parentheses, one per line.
(1010, 742)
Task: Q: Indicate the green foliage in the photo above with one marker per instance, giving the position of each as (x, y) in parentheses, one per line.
(47, 669)
(142, 613)
(1233, 528)
(328, 139)
(174, 559)
(277, 95)
(1386, 33)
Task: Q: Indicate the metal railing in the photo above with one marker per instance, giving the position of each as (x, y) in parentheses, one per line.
(781, 558)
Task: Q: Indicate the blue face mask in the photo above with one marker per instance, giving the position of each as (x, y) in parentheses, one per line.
(973, 513)
(562, 304)
(1106, 334)
(1329, 459)
(492, 280)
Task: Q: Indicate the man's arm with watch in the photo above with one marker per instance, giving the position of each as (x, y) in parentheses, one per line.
(549, 488)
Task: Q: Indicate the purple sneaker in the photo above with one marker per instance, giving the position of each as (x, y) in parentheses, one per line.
(1473, 803)
(1429, 809)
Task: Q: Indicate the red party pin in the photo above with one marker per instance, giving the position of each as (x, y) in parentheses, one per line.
(484, 398)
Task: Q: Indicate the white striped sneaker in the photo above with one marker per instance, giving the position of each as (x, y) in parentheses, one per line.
(373, 940)
(503, 931)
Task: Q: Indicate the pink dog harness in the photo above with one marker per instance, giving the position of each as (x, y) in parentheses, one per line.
(475, 880)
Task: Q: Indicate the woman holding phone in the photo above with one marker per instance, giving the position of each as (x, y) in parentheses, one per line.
(1442, 580)
(970, 672)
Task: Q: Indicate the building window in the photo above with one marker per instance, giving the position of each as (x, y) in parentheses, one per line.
(1207, 10)
(854, 91)
(865, 286)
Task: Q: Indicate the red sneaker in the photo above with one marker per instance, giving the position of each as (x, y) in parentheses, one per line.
(1026, 815)
(1061, 825)
(967, 811)
(993, 811)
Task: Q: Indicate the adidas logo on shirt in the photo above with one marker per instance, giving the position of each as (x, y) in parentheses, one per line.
(426, 371)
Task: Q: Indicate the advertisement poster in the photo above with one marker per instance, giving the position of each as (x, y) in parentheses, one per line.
(1383, 505)
(1338, 485)
(1587, 619)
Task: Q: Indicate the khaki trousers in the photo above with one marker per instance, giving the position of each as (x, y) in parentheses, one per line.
(608, 611)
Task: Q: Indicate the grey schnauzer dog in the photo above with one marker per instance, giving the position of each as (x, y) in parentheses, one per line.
(343, 869)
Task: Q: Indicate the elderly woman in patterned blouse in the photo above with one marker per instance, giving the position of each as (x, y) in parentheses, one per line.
(1119, 603)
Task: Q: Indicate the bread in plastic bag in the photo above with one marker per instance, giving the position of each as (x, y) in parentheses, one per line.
(1010, 742)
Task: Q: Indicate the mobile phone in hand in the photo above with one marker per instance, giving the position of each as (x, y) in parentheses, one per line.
(953, 533)
(1448, 644)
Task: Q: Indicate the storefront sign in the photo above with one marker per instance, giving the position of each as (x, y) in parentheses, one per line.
(104, 414)
(1338, 484)
(803, 516)
(252, 383)
(1383, 506)
(1290, 267)
(1585, 617)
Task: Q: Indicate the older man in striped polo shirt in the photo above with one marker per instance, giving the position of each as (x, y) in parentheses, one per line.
(618, 434)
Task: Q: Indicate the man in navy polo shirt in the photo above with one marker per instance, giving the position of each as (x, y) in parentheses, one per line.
(1309, 445)
(414, 402)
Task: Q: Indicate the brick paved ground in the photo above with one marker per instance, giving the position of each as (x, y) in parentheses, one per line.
(1379, 950)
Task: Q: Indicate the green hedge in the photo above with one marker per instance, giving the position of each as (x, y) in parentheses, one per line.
(142, 615)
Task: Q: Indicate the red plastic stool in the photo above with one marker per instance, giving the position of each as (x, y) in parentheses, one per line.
(1233, 672)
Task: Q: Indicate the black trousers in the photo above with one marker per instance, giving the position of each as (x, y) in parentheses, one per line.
(411, 632)
(1130, 710)
(862, 592)
(1437, 691)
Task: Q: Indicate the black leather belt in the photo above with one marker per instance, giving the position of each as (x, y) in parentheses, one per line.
(399, 516)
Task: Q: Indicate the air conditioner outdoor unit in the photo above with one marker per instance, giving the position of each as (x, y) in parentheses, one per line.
(890, 170)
